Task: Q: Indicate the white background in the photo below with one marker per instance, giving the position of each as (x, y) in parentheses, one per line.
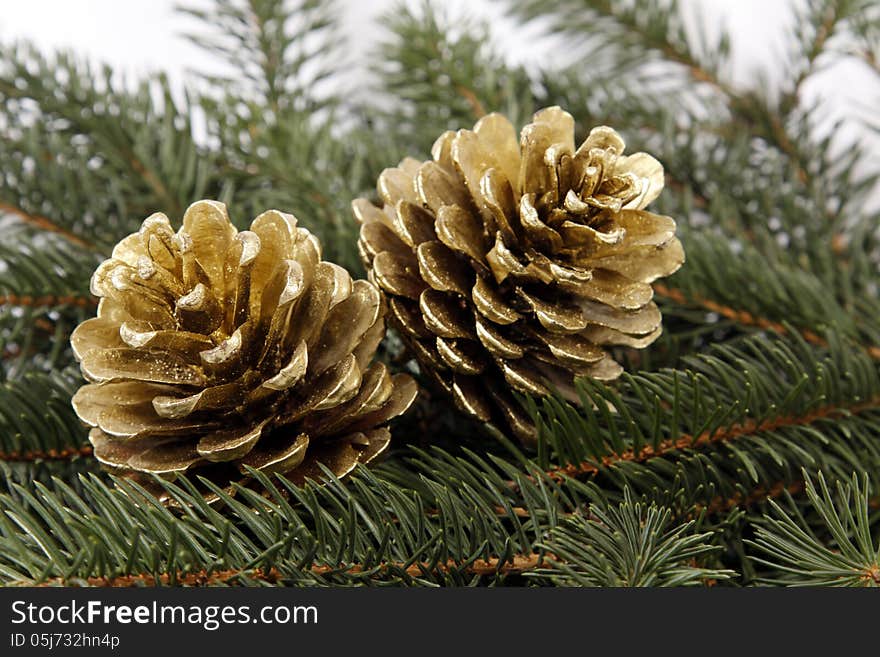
(137, 36)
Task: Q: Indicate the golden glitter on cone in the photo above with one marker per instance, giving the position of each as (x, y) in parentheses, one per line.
(215, 349)
(512, 264)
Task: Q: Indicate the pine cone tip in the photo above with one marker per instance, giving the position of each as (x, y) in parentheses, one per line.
(516, 264)
(215, 350)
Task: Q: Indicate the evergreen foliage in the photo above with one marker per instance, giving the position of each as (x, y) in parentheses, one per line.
(793, 548)
(742, 448)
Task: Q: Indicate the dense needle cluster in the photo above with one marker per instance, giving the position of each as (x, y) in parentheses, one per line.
(215, 349)
(513, 264)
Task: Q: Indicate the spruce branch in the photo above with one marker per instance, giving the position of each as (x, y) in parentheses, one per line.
(369, 530)
(515, 565)
(850, 556)
(686, 442)
(36, 417)
(767, 406)
(865, 28)
(42, 277)
(277, 51)
(43, 223)
(42, 271)
(103, 535)
(79, 149)
(781, 278)
(445, 73)
(744, 317)
(753, 291)
(51, 454)
(629, 544)
(636, 31)
(818, 25)
(814, 27)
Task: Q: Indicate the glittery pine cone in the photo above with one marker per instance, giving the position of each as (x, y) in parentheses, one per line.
(215, 349)
(513, 264)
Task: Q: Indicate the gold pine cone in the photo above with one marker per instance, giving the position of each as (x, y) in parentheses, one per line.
(512, 264)
(215, 349)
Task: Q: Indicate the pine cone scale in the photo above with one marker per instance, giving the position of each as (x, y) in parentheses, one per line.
(154, 455)
(412, 224)
(403, 394)
(229, 444)
(216, 350)
(527, 258)
(281, 458)
(375, 391)
(342, 459)
(491, 305)
(494, 340)
(400, 275)
(458, 231)
(444, 316)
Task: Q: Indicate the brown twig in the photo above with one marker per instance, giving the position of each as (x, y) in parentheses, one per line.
(476, 106)
(761, 493)
(870, 59)
(44, 223)
(200, 578)
(498, 510)
(47, 455)
(872, 574)
(746, 318)
(153, 182)
(48, 300)
(698, 199)
(686, 441)
(516, 564)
